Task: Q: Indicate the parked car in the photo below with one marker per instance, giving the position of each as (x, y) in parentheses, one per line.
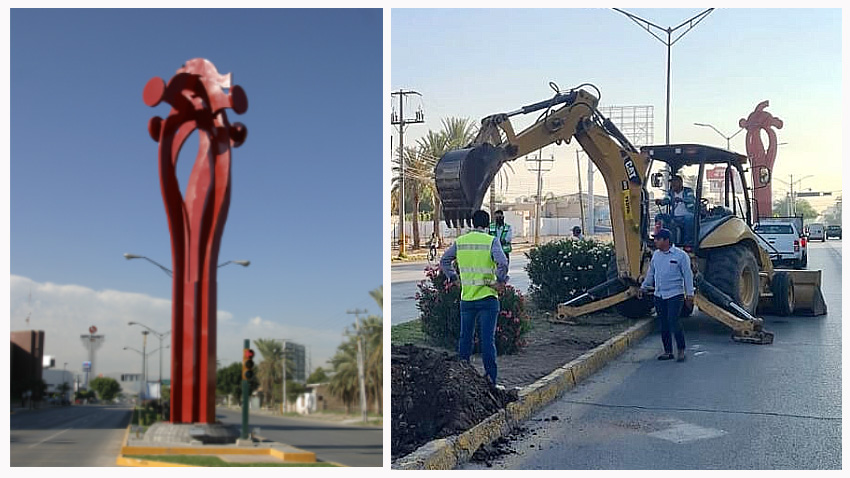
(833, 231)
(783, 242)
(817, 232)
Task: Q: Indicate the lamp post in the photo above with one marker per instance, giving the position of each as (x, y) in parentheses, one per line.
(646, 24)
(160, 336)
(728, 138)
(144, 359)
(792, 206)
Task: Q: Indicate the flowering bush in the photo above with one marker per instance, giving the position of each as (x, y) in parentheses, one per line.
(561, 270)
(438, 302)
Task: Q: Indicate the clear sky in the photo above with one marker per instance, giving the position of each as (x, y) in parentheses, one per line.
(472, 63)
(306, 185)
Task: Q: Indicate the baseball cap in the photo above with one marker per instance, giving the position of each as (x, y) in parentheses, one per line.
(662, 234)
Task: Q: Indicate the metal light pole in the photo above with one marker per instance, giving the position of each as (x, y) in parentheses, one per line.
(145, 356)
(160, 336)
(728, 138)
(646, 24)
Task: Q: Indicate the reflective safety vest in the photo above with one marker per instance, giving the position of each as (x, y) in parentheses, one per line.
(477, 268)
(506, 246)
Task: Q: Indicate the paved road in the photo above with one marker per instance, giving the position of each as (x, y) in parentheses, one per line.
(339, 443)
(729, 406)
(67, 436)
(405, 277)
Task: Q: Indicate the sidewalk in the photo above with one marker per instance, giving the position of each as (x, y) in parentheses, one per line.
(351, 420)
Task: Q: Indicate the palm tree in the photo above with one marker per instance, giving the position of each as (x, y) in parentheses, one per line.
(378, 295)
(344, 383)
(270, 370)
(372, 333)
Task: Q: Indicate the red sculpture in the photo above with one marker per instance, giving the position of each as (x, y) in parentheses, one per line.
(198, 102)
(757, 121)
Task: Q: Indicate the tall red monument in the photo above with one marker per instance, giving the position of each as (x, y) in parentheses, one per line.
(760, 120)
(196, 222)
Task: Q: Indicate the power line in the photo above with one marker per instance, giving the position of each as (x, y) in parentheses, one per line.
(401, 121)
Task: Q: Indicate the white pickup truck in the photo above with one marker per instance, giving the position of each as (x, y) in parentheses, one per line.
(782, 239)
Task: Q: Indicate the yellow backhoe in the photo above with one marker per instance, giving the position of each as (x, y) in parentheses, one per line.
(734, 276)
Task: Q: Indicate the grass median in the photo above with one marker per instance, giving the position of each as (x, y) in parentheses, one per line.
(201, 460)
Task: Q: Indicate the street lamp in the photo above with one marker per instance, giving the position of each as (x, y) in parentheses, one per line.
(646, 24)
(129, 256)
(792, 207)
(160, 336)
(728, 138)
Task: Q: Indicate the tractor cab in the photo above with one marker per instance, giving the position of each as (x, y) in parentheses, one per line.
(705, 189)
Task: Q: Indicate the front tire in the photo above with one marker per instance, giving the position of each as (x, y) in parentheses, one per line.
(782, 287)
(734, 270)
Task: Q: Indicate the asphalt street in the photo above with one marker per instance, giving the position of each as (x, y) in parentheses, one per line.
(334, 442)
(406, 276)
(729, 406)
(67, 436)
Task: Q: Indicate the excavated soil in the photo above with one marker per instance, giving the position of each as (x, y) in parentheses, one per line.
(435, 395)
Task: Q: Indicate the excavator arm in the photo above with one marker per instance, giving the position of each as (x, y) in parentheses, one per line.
(464, 176)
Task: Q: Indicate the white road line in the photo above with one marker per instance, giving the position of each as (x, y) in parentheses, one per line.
(50, 437)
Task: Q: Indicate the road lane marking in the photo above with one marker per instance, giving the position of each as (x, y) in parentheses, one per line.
(51, 436)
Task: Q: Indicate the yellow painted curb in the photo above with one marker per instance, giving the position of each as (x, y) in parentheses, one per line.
(295, 456)
(447, 453)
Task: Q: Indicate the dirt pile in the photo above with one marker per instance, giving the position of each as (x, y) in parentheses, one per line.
(436, 395)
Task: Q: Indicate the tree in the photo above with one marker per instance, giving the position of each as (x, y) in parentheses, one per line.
(833, 214)
(270, 370)
(318, 376)
(344, 384)
(228, 381)
(106, 388)
(802, 207)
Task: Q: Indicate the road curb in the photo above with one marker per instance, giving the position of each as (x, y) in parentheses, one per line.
(447, 453)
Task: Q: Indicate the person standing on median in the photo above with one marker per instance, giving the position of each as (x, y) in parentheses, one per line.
(483, 274)
(671, 275)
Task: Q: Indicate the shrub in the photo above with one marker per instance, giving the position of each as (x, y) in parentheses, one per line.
(439, 305)
(561, 270)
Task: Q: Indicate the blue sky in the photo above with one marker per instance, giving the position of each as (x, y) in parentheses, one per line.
(306, 185)
(472, 63)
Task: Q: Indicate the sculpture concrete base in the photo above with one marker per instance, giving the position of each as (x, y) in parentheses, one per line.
(191, 433)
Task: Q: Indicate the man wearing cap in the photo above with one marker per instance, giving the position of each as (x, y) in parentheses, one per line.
(483, 274)
(683, 201)
(671, 275)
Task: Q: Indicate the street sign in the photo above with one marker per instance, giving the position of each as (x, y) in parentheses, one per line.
(86, 366)
(808, 194)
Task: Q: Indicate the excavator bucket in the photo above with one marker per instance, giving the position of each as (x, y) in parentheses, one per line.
(463, 177)
(808, 297)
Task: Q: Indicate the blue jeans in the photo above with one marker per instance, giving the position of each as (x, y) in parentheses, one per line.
(669, 310)
(486, 311)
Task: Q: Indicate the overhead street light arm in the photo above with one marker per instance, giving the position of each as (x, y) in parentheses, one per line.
(160, 335)
(241, 263)
(129, 256)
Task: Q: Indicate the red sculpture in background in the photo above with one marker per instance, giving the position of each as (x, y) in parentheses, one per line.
(757, 121)
(198, 102)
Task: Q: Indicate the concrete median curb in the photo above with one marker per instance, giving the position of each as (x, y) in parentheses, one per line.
(286, 454)
(447, 453)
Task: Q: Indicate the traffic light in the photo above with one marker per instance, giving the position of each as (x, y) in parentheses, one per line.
(247, 364)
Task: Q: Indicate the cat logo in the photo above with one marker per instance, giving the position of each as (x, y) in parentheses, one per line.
(631, 170)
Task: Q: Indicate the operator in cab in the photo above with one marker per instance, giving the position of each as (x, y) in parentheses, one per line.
(682, 200)
(483, 274)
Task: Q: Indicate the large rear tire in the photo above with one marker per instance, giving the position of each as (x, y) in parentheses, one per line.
(734, 270)
(782, 287)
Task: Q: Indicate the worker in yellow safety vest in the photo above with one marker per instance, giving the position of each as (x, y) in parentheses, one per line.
(483, 274)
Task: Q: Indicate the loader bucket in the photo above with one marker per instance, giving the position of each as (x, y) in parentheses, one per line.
(463, 177)
(808, 298)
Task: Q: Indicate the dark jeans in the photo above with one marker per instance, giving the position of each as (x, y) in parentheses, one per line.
(669, 311)
(486, 311)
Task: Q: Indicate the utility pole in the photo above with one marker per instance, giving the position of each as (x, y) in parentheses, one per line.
(538, 168)
(591, 201)
(361, 377)
(401, 122)
(580, 202)
(284, 376)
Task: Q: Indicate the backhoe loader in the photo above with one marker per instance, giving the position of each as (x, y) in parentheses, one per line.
(734, 277)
